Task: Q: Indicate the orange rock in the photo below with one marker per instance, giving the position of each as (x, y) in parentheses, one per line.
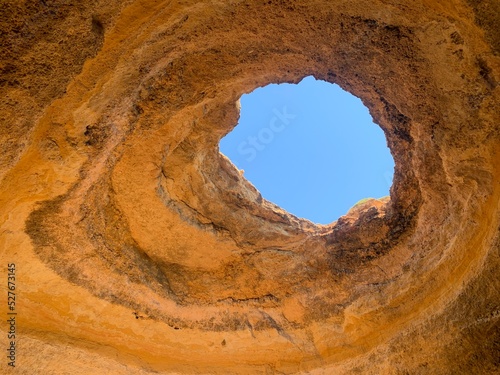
(140, 249)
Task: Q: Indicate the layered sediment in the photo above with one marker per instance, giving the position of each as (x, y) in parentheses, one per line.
(140, 249)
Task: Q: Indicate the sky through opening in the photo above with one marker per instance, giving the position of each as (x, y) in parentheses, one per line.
(310, 148)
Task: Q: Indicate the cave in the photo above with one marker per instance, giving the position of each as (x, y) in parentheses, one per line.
(133, 246)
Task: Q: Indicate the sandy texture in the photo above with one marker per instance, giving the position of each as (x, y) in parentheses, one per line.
(140, 249)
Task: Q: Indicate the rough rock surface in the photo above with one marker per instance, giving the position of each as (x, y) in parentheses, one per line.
(140, 249)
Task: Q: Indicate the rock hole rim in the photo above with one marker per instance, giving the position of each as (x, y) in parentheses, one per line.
(312, 148)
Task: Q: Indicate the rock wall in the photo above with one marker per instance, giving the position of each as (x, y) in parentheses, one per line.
(140, 249)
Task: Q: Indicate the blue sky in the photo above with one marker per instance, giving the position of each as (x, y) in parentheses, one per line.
(310, 148)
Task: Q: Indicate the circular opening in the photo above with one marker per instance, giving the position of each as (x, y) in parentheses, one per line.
(311, 148)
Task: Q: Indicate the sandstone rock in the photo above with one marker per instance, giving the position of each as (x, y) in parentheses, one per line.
(140, 249)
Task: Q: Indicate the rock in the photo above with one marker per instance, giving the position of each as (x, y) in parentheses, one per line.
(140, 249)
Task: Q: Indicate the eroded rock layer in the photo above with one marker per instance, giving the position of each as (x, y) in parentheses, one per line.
(141, 249)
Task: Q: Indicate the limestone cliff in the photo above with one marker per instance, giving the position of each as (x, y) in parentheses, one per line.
(140, 249)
